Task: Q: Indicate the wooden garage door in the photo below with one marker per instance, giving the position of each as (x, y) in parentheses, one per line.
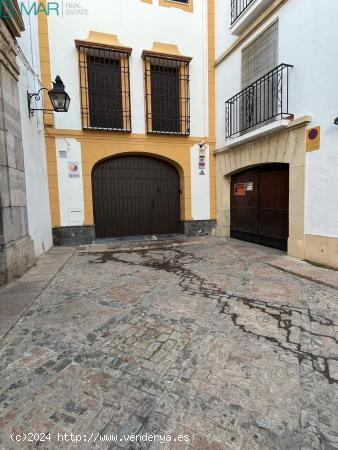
(135, 195)
(260, 205)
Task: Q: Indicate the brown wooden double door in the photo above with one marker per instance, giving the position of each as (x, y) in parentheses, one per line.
(135, 195)
(260, 205)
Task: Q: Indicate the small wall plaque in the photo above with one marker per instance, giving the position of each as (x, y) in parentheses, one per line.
(63, 154)
(74, 170)
(312, 139)
(240, 189)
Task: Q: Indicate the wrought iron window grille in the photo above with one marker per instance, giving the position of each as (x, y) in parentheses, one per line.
(104, 87)
(262, 102)
(167, 94)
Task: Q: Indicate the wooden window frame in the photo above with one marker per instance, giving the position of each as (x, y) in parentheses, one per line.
(187, 7)
(114, 52)
(182, 62)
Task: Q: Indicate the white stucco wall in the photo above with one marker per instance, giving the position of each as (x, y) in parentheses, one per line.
(39, 221)
(70, 188)
(307, 40)
(137, 25)
(200, 186)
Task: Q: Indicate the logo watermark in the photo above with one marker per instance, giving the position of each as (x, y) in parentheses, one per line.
(73, 9)
(60, 8)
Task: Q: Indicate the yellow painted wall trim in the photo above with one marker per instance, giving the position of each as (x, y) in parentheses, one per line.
(45, 63)
(211, 58)
(212, 106)
(171, 49)
(250, 30)
(53, 183)
(102, 39)
(187, 7)
(163, 49)
(114, 135)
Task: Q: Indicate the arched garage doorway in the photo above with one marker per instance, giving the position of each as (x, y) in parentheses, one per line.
(260, 205)
(135, 195)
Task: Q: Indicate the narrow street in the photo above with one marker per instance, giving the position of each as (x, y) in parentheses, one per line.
(205, 339)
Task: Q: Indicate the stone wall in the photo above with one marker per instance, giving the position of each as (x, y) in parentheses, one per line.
(73, 236)
(16, 247)
(83, 235)
(192, 228)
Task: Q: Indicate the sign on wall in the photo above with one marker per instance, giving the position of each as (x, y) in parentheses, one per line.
(249, 187)
(74, 170)
(201, 160)
(240, 189)
(312, 139)
(63, 154)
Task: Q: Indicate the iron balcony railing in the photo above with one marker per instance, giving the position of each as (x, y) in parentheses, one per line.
(260, 103)
(238, 7)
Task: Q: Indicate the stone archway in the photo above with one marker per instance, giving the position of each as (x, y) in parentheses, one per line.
(260, 205)
(285, 147)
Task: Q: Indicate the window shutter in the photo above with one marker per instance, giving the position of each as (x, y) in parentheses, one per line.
(261, 56)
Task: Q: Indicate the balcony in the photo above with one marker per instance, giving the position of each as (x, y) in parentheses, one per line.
(238, 7)
(245, 12)
(261, 103)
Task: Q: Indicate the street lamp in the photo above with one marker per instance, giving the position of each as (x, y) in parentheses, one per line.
(58, 97)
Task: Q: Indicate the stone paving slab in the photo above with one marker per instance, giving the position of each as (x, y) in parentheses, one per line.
(207, 341)
(326, 277)
(18, 296)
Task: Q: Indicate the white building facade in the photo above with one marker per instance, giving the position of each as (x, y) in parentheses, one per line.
(33, 138)
(276, 149)
(142, 111)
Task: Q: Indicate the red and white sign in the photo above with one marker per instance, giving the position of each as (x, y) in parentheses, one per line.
(240, 189)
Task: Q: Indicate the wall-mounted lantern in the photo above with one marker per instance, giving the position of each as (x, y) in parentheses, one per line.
(58, 96)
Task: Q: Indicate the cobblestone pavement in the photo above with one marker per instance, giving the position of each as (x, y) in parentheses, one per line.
(203, 340)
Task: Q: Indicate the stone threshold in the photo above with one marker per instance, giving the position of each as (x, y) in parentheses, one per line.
(303, 269)
(17, 297)
(130, 246)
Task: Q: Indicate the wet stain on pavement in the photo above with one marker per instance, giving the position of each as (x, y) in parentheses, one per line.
(194, 284)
